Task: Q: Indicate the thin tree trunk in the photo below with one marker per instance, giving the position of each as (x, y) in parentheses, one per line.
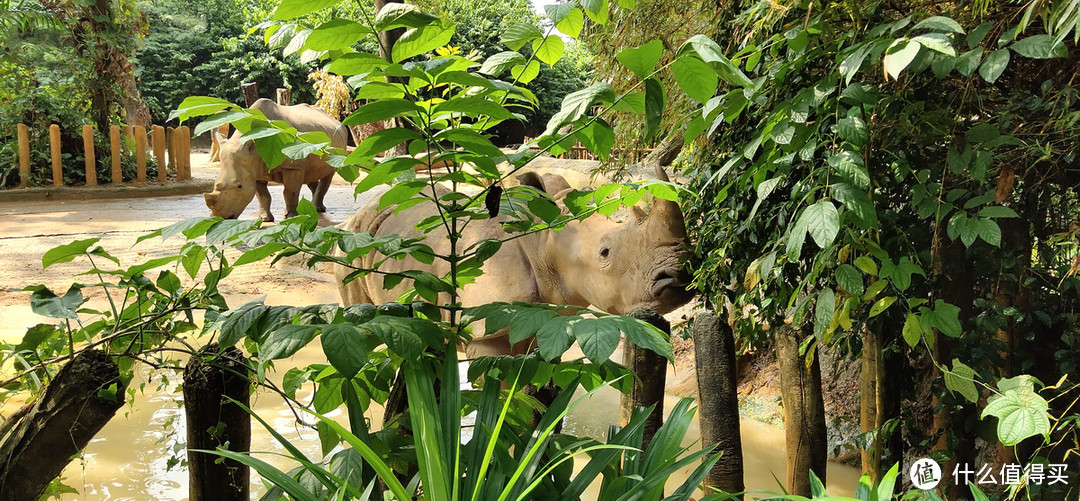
(869, 402)
(651, 372)
(804, 411)
(82, 397)
(714, 353)
(213, 421)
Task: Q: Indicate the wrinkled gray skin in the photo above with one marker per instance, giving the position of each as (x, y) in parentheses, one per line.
(612, 266)
(243, 174)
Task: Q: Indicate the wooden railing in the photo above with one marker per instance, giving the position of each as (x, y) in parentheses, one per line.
(176, 143)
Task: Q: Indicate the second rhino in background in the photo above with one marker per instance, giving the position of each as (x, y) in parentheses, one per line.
(244, 174)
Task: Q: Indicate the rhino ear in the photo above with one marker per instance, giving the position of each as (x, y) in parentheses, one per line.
(638, 216)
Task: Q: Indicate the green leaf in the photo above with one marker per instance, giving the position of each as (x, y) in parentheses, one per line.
(850, 279)
(289, 9)
(197, 106)
(335, 34)
(1021, 413)
(695, 78)
(822, 222)
(347, 347)
(824, 308)
(968, 62)
(421, 40)
(576, 104)
(961, 379)
(598, 339)
(401, 15)
(495, 64)
(642, 59)
(711, 53)
(858, 202)
(381, 141)
(936, 42)
(474, 107)
(550, 49)
(47, 304)
(380, 110)
(853, 130)
(899, 55)
(881, 305)
(518, 34)
(238, 322)
(939, 23)
(571, 23)
(356, 63)
(867, 265)
(946, 318)
(988, 230)
(913, 330)
(1040, 47)
(407, 337)
(525, 73)
(286, 340)
(67, 252)
(850, 166)
(655, 101)
(996, 211)
(994, 65)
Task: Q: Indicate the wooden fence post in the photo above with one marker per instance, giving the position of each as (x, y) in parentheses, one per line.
(117, 151)
(170, 145)
(159, 154)
(24, 156)
(651, 371)
(251, 93)
(88, 154)
(54, 145)
(183, 166)
(140, 154)
(284, 97)
(214, 421)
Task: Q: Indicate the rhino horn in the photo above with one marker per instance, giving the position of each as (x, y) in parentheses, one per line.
(211, 200)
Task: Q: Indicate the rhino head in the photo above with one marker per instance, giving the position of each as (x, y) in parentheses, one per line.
(619, 266)
(235, 185)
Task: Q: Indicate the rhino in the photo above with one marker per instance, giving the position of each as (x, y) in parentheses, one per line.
(243, 174)
(600, 262)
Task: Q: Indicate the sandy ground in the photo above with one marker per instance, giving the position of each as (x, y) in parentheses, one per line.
(127, 460)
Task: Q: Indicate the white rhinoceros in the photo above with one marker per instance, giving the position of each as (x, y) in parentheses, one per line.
(612, 266)
(243, 174)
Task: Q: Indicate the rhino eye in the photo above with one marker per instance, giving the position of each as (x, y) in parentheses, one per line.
(604, 251)
(239, 186)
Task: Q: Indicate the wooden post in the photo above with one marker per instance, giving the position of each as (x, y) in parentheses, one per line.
(159, 154)
(117, 152)
(54, 145)
(251, 93)
(869, 393)
(140, 154)
(170, 143)
(213, 421)
(805, 434)
(651, 371)
(59, 424)
(718, 400)
(88, 153)
(24, 156)
(183, 165)
(284, 97)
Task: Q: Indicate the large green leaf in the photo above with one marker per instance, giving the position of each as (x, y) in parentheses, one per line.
(420, 40)
(711, 53)
(381, 110)
(335, 34)
(695, 77)
(381, 141)
(45, 303)
(67, 252)
(642, 59)
(851, 167)
(939, 23)
(824, 308)
(289, 9)
(518, 34)
(822, 222)
(576, 104)
(994, 65)
(549, 49)
(568, 19)
(401, 15)
(961, 379)
(899, 55)
(856, 201)
(850, 279)
(347, 347)
(655, 101)
(406, 336)
(1040, 47)
(286, 341)
(495, 64)
(1021, 413)
(597, 338)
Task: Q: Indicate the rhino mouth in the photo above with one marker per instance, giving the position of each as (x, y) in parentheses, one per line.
(669, 288)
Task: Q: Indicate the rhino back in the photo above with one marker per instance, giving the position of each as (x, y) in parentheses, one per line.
(305, 118)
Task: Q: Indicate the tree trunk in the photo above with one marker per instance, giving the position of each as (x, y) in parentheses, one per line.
(251, 93)
(78, 402)
(284, 97)
(213, 421)
(870, 402)
(804, 411)
(650, 371)
(718, 400)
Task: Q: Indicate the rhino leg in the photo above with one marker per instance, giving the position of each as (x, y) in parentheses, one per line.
(318, 192)
(292, 180)
(263, 194)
